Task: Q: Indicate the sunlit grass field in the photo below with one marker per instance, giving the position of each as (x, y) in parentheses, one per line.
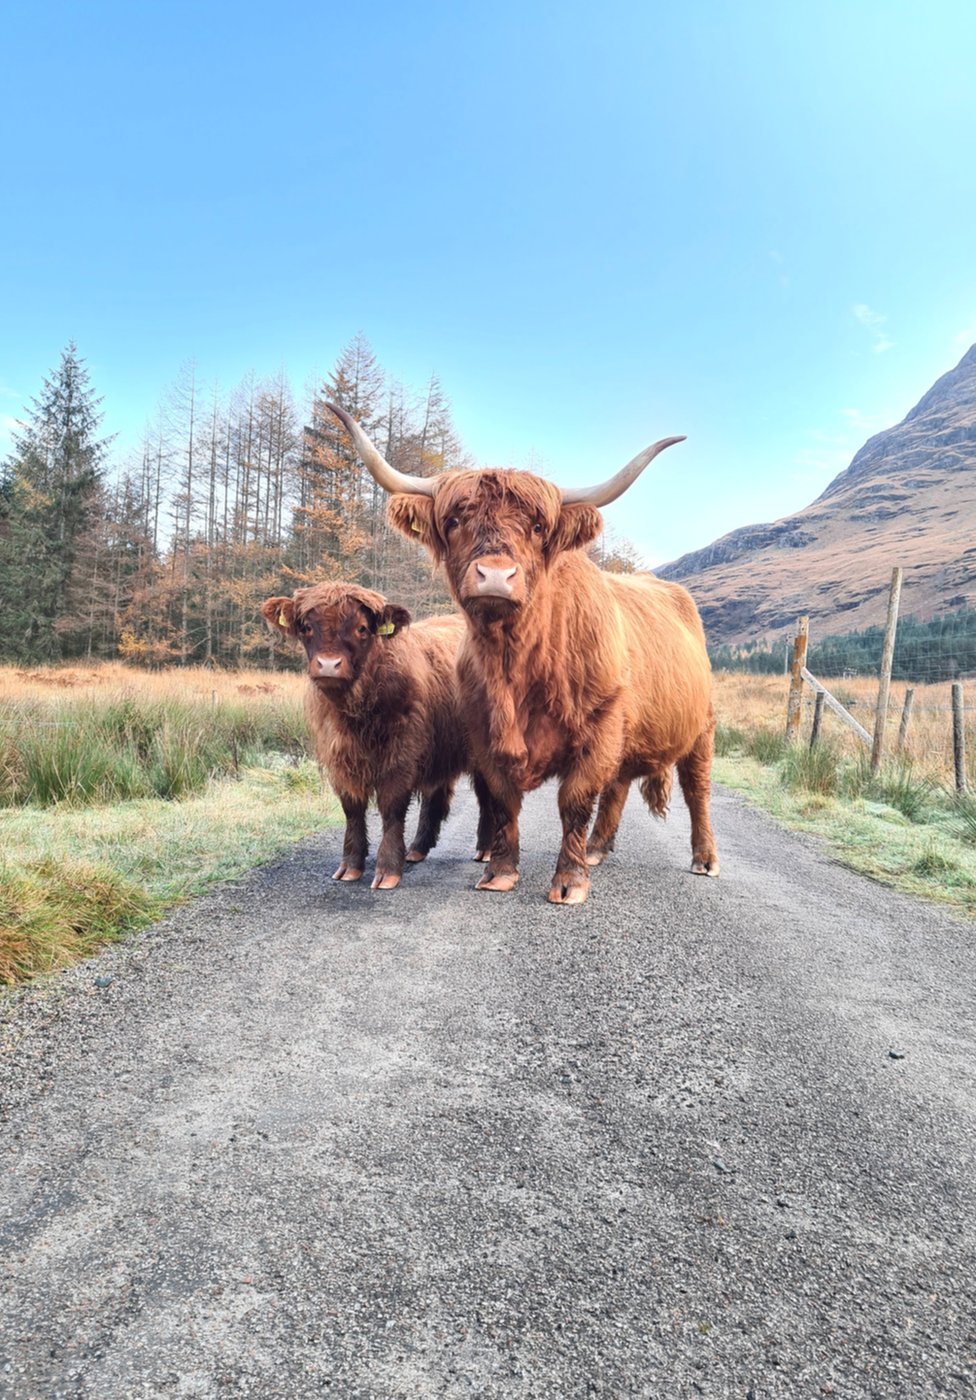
(905, 826)
(122, 792)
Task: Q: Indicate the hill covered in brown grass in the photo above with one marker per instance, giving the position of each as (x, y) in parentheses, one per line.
(908, 497)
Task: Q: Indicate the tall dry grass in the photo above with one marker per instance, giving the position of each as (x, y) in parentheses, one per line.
(757, 705)
(106, 734)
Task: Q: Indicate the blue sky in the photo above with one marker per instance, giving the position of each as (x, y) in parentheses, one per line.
(754, 223)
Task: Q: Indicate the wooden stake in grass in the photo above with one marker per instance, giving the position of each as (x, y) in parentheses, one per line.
(818, 709)
(884, 679)
(795, 702)
(906, 716)
(958, 737)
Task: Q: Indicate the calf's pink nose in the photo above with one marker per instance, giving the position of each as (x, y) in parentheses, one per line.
(327, 666)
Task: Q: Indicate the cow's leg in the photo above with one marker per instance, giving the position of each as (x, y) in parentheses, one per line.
(487, 815)
(503, 804)
(695, 777)
(608, 815)
(434, 807)
(393, 803)
(571, 882)
(354, 846)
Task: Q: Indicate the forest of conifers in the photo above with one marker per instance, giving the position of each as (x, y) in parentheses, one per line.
(167, 558)
(940, 649)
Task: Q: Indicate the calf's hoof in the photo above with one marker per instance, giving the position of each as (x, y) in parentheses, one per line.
(503, 882)
(569, 889)
(705, 865)
(347, 872)
(415, 857)
(596, 857)
(482, 856)
(385, 882)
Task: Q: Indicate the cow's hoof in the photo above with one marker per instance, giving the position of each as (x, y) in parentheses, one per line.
(482, 856)
(502, 883)
(569, 889)
(415, 857)
(347, 872)
(705, 867)
(596, 857)
(384, 882)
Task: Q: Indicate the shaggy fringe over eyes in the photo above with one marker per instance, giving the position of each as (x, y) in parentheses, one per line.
(332, 595)
(492, 492)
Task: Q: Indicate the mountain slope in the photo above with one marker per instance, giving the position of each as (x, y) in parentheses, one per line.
(908, 497)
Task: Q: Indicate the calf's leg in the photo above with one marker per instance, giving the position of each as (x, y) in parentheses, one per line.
(434, 807)
(393, 804)
(354, 845)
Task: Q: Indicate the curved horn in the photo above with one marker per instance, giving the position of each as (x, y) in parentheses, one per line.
(379, 468)
(609, 490)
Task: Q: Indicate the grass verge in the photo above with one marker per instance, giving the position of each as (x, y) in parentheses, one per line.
(875, 830)
(73, 878)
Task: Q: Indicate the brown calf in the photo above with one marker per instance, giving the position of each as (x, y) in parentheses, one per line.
(383, 712)
(567, 672)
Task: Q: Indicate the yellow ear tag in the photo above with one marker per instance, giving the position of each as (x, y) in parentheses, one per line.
(282, 620)
(415, 527)
(385, 629)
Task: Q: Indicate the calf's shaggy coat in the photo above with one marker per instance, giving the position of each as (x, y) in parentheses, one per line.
(383, 712)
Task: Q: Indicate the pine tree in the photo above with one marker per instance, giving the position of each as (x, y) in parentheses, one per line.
(50, 488)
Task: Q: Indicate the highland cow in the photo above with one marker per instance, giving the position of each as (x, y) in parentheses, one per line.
(565, 672)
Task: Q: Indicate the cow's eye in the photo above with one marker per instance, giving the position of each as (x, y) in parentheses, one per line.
(363, 630)
(451, 523)
(537, 528)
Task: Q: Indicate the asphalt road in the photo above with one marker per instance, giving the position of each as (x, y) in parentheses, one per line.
(312, 1140)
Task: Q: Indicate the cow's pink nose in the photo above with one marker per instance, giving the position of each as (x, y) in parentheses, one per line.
(494, 582)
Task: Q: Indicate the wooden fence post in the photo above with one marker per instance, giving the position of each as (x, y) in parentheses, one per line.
(884, 679)
(795, 702)
(818, 709)
(958, 737)
(906, 715)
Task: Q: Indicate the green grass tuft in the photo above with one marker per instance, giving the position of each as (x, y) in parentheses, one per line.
(728, 739)
(815, 770)
(767, 746)
(902, 789)
(964, 808)
(53, 912)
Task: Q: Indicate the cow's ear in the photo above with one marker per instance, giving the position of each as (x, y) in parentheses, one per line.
(279, 614)
(413, 516)
(576, 527)
(392, 620)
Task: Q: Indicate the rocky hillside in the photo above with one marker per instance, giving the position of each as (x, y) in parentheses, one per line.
(908, 498)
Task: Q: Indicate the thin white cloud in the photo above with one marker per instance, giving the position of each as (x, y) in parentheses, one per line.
(866, 424)
(874, 322)
(965, 337)
(829, 452)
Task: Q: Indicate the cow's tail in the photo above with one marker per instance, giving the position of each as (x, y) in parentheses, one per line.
(656, 792)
